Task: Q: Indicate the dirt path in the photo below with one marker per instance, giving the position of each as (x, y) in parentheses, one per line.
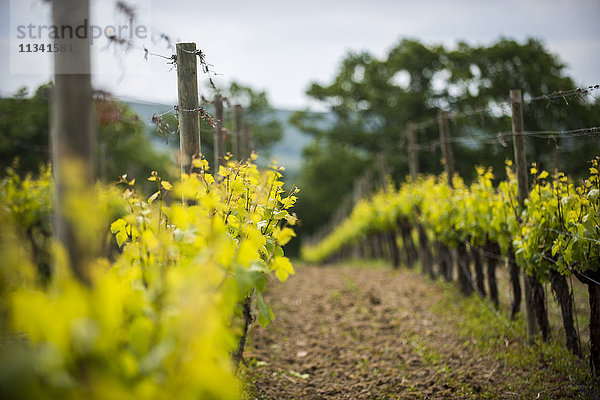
(356, 333)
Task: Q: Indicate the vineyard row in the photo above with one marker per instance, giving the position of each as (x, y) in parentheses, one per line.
(552, 235)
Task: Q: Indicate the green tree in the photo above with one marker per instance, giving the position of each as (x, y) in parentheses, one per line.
(24, 130)
(484, 75)
(337, 165)
(124, 145)
(266, 129)
(372, 100)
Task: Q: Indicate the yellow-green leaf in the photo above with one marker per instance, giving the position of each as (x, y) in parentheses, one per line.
(166, 185)
(153, 197)
(282, 267)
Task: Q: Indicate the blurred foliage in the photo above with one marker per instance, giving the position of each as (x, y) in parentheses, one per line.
(123, 145)
(26, 202)
(330, 172)
(159, 318)
(24, 129)
(266, 129)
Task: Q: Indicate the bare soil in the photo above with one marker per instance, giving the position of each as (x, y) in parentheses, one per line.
(370, 333)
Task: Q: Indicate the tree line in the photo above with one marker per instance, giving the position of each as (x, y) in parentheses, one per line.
(372, 101)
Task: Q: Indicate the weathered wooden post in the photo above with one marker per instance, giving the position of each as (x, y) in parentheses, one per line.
(519, 145)
(446, 259)
(237, 141)
(72, 134)
(248, 147)
(447, 153)
(413, 155)
(219, 140)
(187, 93)
(534, 293)
(522, 193)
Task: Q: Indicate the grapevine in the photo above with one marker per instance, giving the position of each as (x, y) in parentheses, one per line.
(161, 315)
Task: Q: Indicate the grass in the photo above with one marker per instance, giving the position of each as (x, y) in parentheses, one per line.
(428, 355)
(248, 379)
(580, 297)
(531, 367)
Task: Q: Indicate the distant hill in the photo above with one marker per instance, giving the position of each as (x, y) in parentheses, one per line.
(288, 151)
(147, 110)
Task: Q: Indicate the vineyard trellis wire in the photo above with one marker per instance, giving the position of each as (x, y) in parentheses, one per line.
(499, 137)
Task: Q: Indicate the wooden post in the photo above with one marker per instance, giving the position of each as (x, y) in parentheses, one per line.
(237, 145)
(413, 155)
(445, 143)
(219, 142)
(72, 134)
(519, 145)
(187, 93)
(248, 145)
(522, 193)
(447, 264)
(383, 170)
(360, 187)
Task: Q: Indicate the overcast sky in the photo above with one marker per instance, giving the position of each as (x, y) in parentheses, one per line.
(282, 46)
